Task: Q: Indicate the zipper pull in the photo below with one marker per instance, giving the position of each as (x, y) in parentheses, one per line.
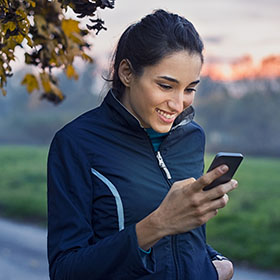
(162, 165)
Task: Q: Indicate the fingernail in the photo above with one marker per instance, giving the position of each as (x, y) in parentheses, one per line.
(235, 183)
(224, 168)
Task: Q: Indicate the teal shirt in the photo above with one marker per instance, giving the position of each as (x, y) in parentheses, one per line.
(156, 137)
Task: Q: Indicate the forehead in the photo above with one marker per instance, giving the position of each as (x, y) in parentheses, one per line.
(182, 65)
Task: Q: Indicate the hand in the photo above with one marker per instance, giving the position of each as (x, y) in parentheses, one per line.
(188, 206)
(185, 207)
(224, 269)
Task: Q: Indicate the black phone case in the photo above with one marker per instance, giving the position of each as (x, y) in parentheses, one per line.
(232, 160)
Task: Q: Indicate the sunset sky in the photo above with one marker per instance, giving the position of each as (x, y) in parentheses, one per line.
(237, 34)
(230, 29)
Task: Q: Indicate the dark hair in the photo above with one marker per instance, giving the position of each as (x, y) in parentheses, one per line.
(151, 39)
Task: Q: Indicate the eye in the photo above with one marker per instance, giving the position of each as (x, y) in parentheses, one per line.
(165, 86)
(190, 90)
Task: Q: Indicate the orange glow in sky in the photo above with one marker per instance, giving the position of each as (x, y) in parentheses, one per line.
(244, 68)
(230, 29)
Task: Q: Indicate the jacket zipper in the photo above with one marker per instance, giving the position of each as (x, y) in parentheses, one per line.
(173, 237)
(162, 165)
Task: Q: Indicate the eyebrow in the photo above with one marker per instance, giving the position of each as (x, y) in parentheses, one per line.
(177, 82)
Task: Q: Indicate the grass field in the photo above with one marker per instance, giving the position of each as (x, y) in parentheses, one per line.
(247, 230)
(23, 182)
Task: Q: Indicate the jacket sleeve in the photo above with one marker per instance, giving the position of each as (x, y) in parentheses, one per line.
(72, 254)
(212, 252)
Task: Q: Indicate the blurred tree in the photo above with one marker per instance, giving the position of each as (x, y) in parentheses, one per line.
(248, 123)
(50, 41)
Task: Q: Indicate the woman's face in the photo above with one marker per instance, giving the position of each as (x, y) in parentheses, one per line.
(163, 91)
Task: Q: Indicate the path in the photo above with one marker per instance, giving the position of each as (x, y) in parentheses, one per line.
(23, 255)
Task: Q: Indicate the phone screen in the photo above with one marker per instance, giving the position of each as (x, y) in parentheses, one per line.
(232, 160)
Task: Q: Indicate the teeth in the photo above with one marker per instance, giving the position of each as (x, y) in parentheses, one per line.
(168, 116)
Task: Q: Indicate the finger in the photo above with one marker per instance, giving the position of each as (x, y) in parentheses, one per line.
(220, 202)
(183, 183)
(189, 181)
(208, 216)
(223, 189)
(213, 206)
(209, 177)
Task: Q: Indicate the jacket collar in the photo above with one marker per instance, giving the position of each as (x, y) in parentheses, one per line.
(120, 113)
(184, 118)
(126, 118)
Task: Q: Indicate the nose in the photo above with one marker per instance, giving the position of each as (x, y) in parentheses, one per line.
(176, 102)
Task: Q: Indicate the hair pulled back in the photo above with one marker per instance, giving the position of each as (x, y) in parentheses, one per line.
(155, 36)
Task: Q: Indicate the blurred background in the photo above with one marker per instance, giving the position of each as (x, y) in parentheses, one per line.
(237, 103)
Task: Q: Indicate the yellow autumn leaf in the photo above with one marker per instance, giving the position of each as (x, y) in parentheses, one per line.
(45, 80)
(70, 26)
(22, 14)
(9, 25)
(86, 57)
(77, 38)
(19, 38)
(53, 28)
(71, 73)
(40, 21)
(61, 58)
(2, 72)
(57, 91)
(4, 92)
(54, 61)
(23, 23)
(41, 25)
(32, 3)
(31, 82)
(71, 54)
(29, 41)
(6, 3)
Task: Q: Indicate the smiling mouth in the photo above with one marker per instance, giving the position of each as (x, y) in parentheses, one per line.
(166, 115)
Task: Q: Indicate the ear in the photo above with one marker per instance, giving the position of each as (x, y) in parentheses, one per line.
(125, 72)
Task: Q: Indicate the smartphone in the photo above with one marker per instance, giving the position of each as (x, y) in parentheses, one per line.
(232, 160)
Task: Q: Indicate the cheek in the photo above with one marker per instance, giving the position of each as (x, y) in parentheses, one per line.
(188, 100)
(150, 97)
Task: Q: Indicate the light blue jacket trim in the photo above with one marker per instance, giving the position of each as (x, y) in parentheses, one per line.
(146, 252)
(115, 194)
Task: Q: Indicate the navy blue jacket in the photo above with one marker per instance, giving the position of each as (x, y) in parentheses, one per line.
(103, 178)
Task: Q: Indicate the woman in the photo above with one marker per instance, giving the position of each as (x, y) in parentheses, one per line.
(125, 184)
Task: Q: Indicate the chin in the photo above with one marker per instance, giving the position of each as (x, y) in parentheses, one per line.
(161, 129)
